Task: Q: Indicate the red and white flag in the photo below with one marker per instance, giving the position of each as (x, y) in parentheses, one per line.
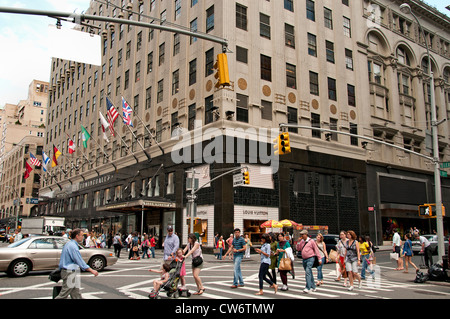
(71, 146)
(105, 125)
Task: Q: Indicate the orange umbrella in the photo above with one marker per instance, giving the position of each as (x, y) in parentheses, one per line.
(271, 224)
(289, 223)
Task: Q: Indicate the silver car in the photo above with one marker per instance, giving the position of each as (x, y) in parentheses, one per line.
(44, 252)
(417, 247)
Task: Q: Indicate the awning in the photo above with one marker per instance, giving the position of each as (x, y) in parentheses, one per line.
(136, 206)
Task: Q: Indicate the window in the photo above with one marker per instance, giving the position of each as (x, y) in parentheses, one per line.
(177, 9)
(209, 67)
(170, 183)
(332, 89)
(241, 17)
(313, 83)
(128, 52)
(137, 74)
(403, 83)
(210, 19)
(175, 82)
(353, 130)
(174, 122)
(334, 127)
(315, 122)
(348, 59)
(209, 104)
(241, 55)
(136, 104)
(289, 37)
(127, 79)
(158, 130)
(310, 11)
(193, 29)
(325, 185)
(162, 51)
(328, 18)
(266, 68)
(330, 51)
(292, 119)
(266, 113)
(351, 95)
(291, 77)
(241, 108)
(118, 80)
(148, 98)
(193, 72)
(176, 44)
(375, 74)
(191, 116)
(289, 5)
(264, 25)
(160, 93)
(139, 41)
(119, 60)
(312, 45)
(347, 27)
(150, 62)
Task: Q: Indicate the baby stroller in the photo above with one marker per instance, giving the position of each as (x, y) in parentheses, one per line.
(171, 286)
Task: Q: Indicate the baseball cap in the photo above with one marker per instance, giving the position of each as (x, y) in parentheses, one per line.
(304, 232)
(169, 228)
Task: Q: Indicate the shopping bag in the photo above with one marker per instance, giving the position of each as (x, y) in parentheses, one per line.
(393, 256)
(333, 256)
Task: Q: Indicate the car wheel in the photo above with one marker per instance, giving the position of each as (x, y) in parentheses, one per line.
(97, 263)
(19, 268)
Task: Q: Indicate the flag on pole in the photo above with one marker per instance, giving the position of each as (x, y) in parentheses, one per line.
(28, 170)
(46, 160)
(111, 115)
(85, 136)
(56, 154)
(126, 113)
(71, 146)
(34, 161)
(105, 125)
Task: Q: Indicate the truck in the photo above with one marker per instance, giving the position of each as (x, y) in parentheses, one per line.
(44, 225)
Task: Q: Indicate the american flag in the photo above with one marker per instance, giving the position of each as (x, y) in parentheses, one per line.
(126, 113)
(34, 161)
(111, 115)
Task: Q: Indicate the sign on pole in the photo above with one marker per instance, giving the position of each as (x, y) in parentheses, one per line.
(238, 180)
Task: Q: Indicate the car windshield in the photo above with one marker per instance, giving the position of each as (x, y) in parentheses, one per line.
(20, 242)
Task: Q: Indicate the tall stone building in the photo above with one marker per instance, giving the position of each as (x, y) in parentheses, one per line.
(348, 66)
(22, 132)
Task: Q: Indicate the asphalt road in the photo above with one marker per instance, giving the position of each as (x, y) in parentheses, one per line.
(130, 279)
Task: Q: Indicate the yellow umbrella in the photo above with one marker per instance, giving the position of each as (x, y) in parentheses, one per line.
(271, 224)
(288, 223)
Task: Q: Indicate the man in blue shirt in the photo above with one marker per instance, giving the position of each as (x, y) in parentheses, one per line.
(69, 264)
(171, 244)
(238, 248)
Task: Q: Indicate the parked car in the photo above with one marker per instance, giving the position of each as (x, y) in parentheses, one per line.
(416, 246)
(44, 252)
(330, 241)
(3, 236)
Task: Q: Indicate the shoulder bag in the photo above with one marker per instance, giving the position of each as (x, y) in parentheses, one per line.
(55, 275)
(285, 263)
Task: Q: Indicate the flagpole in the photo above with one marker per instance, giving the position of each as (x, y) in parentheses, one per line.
(143, 149)
(153, 137)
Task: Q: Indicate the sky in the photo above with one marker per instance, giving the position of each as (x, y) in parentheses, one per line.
(24, 55)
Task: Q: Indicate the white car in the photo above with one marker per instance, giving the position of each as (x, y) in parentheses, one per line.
(44, 252)
(417, 247)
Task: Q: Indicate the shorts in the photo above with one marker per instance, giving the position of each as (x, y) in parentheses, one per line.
(351, 266)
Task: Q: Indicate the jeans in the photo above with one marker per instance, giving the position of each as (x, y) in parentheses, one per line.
(263, 272)
(145, 252)
(428, 254)
(117, 249)
(152, 249)
(307, 265)
(365, 264)
(237, 270)
(220, 253)
(319, 269)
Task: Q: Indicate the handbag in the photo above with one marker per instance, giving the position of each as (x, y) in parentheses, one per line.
(285, 263)
(393, 256)
(55, 275)
(197, 261)
(316, 262)
(333, 256)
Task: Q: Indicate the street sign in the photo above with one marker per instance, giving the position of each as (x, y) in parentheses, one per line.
(445, 165)
(443, 173)
(238, 180)
(371, 208)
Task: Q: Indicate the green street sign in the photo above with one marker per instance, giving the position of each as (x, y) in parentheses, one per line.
(445, 165)
(444, 174)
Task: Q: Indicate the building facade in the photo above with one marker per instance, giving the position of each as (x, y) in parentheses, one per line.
(346, 66)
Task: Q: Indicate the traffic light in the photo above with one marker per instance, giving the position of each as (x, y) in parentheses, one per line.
(282, 144)
(222, 74)
(246, 177)
(429, 210)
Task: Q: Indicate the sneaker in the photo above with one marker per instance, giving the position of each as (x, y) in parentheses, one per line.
(306, 291)
(314, 289)
(284, 288)
(350, 288)
(360, 284)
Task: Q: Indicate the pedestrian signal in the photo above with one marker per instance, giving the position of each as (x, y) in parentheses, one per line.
(429, 210)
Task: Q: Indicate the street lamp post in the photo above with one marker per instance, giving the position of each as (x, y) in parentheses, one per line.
(405, 8)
